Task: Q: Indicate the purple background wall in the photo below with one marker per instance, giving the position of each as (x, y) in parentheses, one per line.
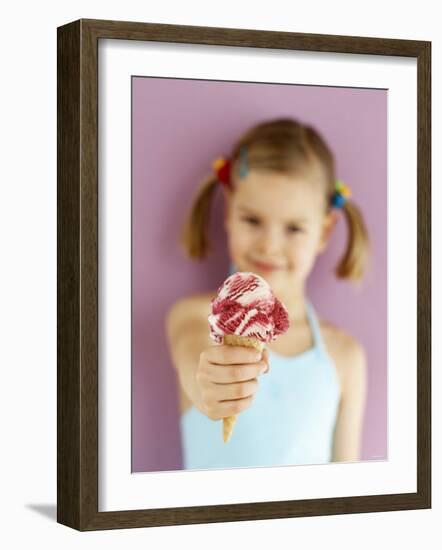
(179, 128)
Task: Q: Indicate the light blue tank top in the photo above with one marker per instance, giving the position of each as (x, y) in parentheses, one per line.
(291, 420)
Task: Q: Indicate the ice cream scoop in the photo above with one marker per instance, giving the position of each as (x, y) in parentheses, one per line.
(246, 313)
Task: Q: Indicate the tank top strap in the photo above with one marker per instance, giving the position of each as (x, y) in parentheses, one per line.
(314, 326)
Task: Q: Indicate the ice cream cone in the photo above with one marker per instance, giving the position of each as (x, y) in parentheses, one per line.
(246, 313)
(235, 340)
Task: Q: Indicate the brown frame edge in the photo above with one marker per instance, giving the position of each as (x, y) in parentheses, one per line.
(77, 274)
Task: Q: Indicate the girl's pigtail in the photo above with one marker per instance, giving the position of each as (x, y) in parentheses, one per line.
(194, 238)
(354, 262)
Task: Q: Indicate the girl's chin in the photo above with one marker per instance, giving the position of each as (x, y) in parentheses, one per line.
(273, 274)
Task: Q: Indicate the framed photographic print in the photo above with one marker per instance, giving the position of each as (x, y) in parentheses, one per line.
(187, 155)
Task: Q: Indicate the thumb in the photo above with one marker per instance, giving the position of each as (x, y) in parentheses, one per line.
(265, 356)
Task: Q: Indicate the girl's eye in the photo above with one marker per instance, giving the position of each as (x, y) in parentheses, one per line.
(252, 221)
(255, 222)
(294, 229)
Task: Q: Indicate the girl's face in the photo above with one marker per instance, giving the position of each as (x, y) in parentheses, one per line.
(276, 225)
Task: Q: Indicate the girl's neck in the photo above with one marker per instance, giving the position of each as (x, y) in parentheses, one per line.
(296, 304)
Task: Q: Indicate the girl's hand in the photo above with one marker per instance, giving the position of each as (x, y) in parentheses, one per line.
(227, 378)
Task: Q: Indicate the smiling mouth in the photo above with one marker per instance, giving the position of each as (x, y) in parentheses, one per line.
(266, 266)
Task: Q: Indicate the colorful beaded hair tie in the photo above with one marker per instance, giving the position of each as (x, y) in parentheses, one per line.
(341, 194)
(222, 168)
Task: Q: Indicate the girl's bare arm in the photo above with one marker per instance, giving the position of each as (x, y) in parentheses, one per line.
(187, 334)
(349, 424)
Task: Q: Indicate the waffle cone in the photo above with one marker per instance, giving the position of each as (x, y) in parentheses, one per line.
(234, 340)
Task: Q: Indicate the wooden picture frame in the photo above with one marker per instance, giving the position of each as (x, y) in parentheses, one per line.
(77, 274)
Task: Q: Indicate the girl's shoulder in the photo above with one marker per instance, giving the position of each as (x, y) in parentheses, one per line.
(194, 306)
(339, 339)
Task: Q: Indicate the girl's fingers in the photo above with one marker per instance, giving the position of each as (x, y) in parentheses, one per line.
(229, 374)
(233, 408)
(231, 355)
(238, 390)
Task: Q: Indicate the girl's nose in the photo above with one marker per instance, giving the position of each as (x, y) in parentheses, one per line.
(270, 242)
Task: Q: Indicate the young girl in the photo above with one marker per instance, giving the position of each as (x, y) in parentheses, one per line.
(282, 201)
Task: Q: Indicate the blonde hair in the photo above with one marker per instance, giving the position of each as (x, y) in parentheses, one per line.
(286, 146)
